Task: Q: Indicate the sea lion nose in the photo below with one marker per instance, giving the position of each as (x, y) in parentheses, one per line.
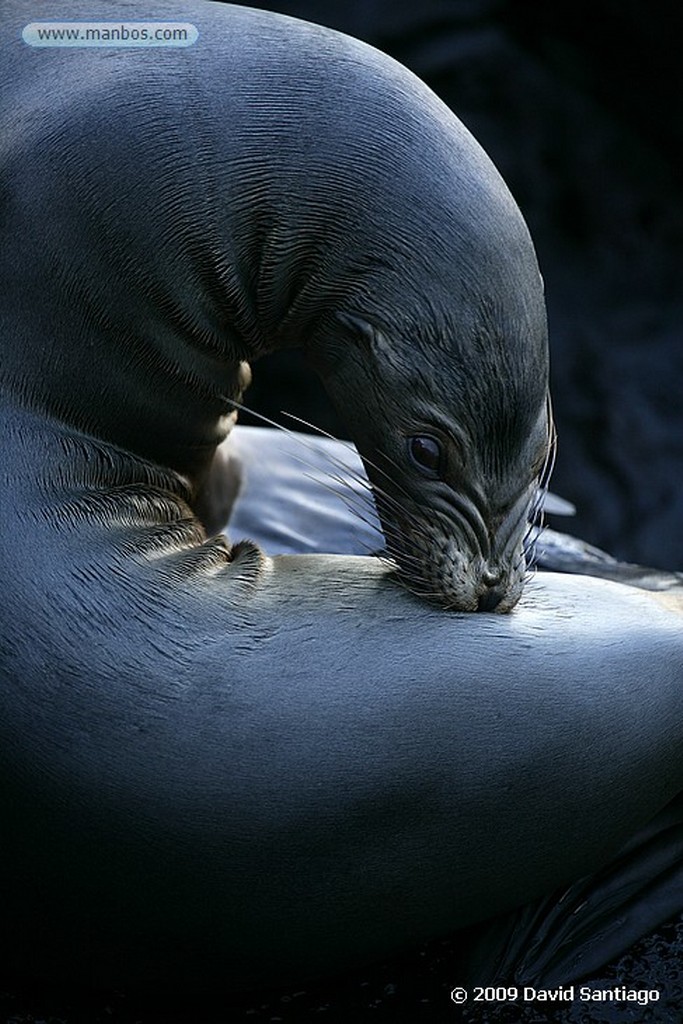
(491, 577)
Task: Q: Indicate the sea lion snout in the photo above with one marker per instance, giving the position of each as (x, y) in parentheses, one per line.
(494, 590)
(437, 561)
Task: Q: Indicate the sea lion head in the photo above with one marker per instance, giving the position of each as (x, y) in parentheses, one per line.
(425, 318)
(441, 375)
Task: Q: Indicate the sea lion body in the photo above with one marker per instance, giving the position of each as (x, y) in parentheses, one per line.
(219, 769)
(279, 185)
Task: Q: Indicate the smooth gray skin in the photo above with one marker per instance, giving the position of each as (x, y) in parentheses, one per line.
(218, 769)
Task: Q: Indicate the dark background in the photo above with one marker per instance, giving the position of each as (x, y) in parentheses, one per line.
(579, 105)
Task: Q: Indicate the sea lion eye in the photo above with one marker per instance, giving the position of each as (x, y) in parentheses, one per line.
(425, 452)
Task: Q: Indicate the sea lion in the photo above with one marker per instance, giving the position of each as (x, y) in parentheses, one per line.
(277, 185)
(219, 768)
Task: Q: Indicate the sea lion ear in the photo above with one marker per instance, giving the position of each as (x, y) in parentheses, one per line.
(339, 350)
(364, 332)
(361, 328)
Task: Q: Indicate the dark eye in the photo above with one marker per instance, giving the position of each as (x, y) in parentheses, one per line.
(425, 452)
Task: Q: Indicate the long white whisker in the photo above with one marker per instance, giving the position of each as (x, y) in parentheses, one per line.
(351, 447)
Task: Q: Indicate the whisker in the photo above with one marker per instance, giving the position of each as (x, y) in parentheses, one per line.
(384, 473)
(360, 511)
(318, 430)
(353, 448)
(374, 490)
(389, 503)
(363, 502)
(300, 438)
(350, 474)
(536, 514)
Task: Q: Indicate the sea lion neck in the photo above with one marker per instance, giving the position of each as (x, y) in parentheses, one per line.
(188, 214)
(153, 260)
(138, 317)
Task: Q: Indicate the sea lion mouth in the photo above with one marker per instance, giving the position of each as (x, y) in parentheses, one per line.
(456, 581)
(440, 559)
